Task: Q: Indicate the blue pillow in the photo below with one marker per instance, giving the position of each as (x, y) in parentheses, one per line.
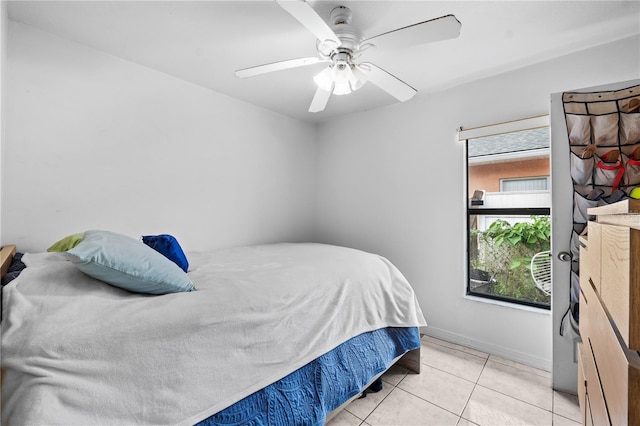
(168, 246)
(128, 263)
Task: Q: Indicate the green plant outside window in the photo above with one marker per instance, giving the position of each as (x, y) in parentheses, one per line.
(504, 251)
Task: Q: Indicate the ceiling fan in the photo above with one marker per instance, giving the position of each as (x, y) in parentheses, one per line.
(340, 44)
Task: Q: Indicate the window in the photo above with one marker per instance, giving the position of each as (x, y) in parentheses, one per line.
(508, 223)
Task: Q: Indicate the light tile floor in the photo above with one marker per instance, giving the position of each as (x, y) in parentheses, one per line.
(460, 386)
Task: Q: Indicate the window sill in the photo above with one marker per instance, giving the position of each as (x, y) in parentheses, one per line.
(507, 304)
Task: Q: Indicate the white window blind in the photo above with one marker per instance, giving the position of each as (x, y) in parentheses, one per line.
(506, 127)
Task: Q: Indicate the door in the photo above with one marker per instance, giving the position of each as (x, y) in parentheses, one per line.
(565, 365)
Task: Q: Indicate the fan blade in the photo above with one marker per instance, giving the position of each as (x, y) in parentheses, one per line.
(308, 17)
(442, 28)
(277, 66)
(388, 82)
(320, 100)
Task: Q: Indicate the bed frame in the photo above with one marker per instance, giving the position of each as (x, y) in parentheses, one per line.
(410, 360)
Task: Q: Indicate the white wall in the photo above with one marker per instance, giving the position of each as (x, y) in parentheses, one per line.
(97, 142)
(396, 187)
(93, 141)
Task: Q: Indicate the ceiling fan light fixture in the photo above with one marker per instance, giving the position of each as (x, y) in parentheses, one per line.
(342, 87)
(324, 79)
(340, 79)
(349, 79)
(358, 78)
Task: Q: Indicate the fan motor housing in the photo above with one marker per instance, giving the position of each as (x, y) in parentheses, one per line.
(350, 37)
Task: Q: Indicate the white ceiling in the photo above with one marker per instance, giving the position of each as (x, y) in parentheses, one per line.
(204, 42)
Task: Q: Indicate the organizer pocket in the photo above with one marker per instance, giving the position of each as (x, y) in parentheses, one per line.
(608, 173)
(629, 128)
(575, 288)
(581, 169)
(579, 129)
(631, 170)
(605, 129)
(614, 197)
(580, 206)
(630, 105)
(575, 246)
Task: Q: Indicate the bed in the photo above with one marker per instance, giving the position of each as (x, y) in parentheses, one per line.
(272, 334)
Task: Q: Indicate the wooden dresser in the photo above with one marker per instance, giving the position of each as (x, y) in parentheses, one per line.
(608, 361)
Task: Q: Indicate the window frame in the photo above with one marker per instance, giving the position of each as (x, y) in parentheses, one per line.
(481, 210)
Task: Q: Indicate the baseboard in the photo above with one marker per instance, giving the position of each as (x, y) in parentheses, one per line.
(521, 357)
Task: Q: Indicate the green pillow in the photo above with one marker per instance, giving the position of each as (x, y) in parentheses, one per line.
(67, 243)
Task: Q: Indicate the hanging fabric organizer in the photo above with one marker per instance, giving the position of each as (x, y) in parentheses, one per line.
(604, 140)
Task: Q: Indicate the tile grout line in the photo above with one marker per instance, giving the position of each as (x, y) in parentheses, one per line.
(553, 404)
(377, 405)
(518, 399)
(486, 360)
(475, 384)
(429, 402)
(494, 358)
(463, 351)
(433, 403)
(522, 400)
(450, 373)
(565, 417)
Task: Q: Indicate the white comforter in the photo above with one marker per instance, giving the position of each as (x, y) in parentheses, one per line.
(78, 351)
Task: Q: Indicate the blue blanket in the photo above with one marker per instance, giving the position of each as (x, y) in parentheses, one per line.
(307, 395)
